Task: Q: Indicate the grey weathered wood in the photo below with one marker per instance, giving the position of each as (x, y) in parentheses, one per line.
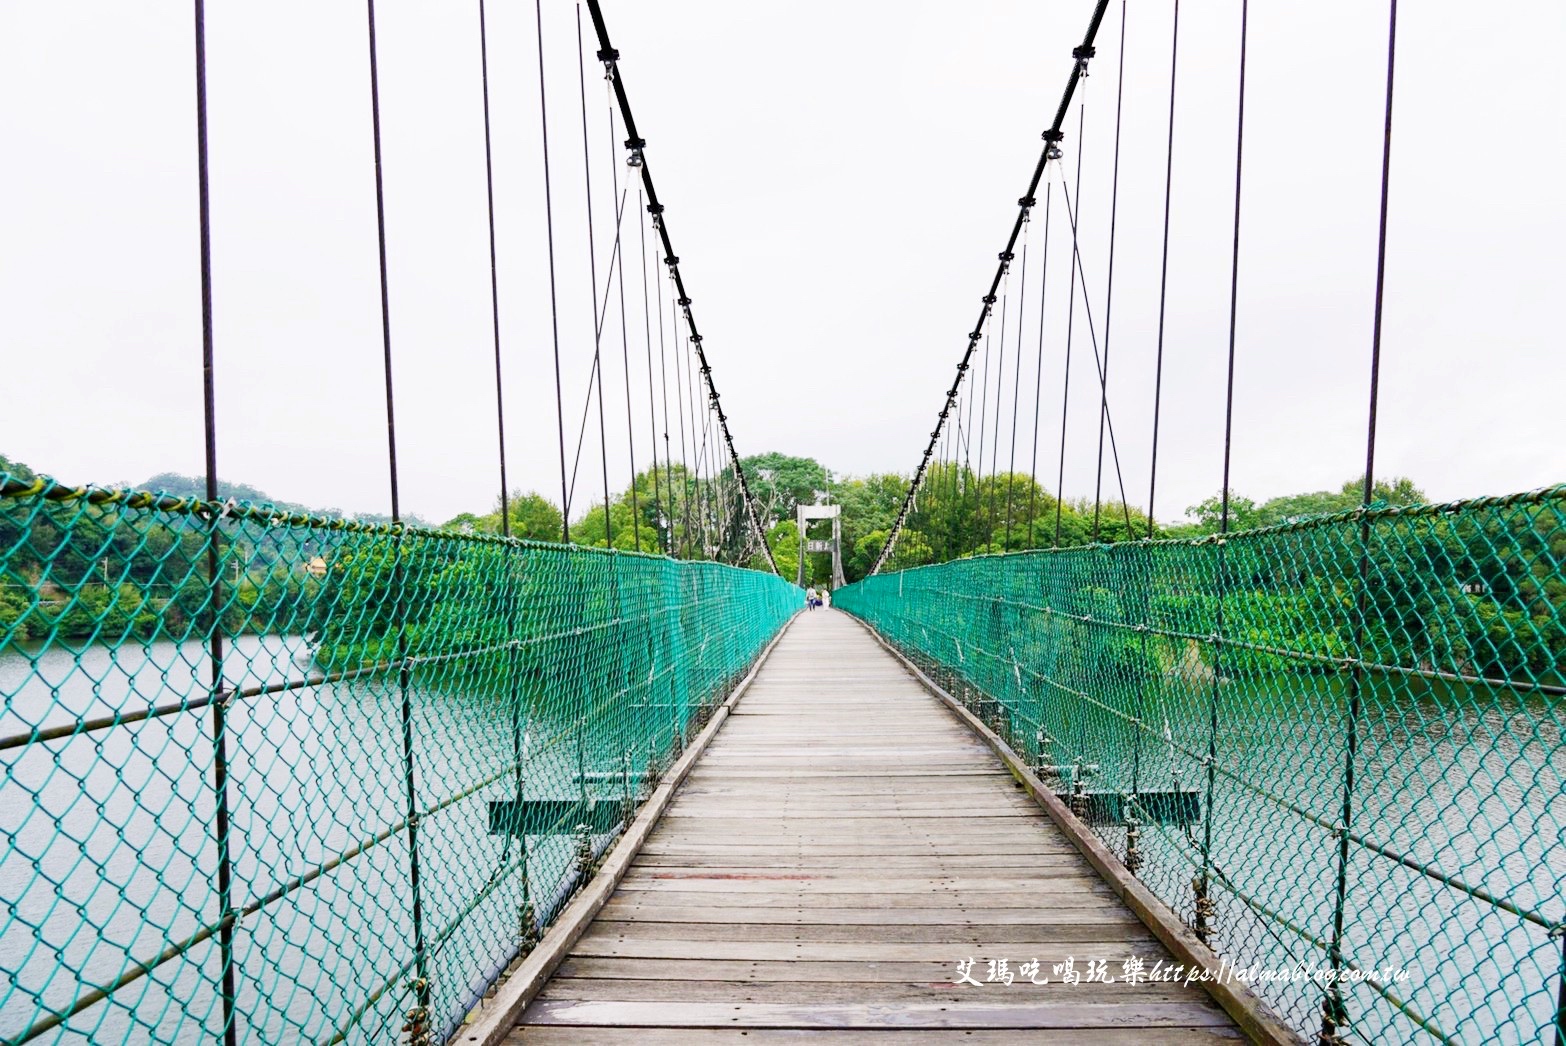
(565, 1035)
(1199, 1011)
(940, 990)
(842, 844)
(1098, 927)
(659, 941)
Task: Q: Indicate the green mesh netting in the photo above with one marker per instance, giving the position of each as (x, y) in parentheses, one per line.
(1225, 695)
(487, 712)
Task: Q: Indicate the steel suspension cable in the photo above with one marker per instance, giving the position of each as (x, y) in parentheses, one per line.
(592, 265)
(517, 728)
(212, 622)
(594, 370)
(663, 380)
(1334, 1014)
(652, 407)
(984, 403)
(1109, 290)
(1163, 273)
(554, 308)
(1038, 373)
(625, 341)
(1087, 312)
(1203, 908)
(1000, 388)
(404, 681)
(611, 59)
(1071, 310)
(685, 451)
(1016, 387)
(1080, 55)
(698, 454)
(494, 279)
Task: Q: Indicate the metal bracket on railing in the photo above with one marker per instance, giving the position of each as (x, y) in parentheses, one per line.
(1078, 801)
(1205, 910)
(1133, 840)
(1046, 767)
(527, 926)
(584, 849)
(416, 1024)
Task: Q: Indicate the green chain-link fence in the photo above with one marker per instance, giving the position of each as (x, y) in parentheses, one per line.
(415, 748)
(1331, 745)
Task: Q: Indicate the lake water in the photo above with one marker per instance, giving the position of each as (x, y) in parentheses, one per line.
(1465, 781)
(110, 850)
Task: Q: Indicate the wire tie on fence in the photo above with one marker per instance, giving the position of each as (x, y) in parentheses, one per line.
(1557, 931)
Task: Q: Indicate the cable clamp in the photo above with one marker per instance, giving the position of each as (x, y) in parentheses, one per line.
(685, 302)
(609, 54)
(1082, 54)
(989, 299)
(672, 260)
(1026, 201)
(1006, 256)
(655, 209)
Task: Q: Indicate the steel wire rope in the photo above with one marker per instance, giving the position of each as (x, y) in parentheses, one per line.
(1203, 906)
(212, 623)
(554, 308)
(1071, 310)
(1081, 55)
(625, 347)
(1038, 373)
(1016, 384)
(592, 264)
(1334, 1013)
(610, 56)
(652, 406)
(421, 982)
(1109, 290)
(1000, 389)
(1087, 312)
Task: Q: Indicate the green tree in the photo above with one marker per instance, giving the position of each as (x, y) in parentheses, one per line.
(780, 482)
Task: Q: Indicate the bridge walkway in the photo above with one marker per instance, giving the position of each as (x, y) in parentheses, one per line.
(841, 845)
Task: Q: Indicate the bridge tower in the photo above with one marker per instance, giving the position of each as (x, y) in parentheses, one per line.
(803, 515)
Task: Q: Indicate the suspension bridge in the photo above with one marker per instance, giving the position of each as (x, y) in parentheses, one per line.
(269, 775)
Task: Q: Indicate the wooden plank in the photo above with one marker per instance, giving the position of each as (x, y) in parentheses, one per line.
(926, 972)
(950, 900)
(843, 843)
(846, 948)
(565, 1035)
(1091, 909)
(954, 863)
(1067, 927)
(941, 990)
(700, 879)
(1005, 1014)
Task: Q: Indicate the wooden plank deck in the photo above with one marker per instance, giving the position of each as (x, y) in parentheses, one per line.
(840, 846)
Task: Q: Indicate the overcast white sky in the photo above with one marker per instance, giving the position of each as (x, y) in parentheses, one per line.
(838, 178)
